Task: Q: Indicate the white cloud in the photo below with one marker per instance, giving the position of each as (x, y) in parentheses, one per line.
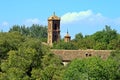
(32, 21)
(87, 16)
(87, 22)
(5, 23)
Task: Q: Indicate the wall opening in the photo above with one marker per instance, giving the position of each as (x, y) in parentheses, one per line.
(55, 27)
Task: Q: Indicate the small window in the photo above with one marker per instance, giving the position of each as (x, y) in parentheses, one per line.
(90, 55)
(86, 55)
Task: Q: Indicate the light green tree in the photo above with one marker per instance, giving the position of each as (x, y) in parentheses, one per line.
(52, 68)
(115, 55)
(91, 69)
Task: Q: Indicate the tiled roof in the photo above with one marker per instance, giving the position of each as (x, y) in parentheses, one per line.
(54, 17)
(68, 55)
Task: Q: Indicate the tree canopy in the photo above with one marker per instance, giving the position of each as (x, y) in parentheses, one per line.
(93, 68)
(34, 31)
(23, 56)
(26, 58)
(106, 39)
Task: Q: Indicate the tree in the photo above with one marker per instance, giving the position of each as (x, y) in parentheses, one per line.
(9, 41)
(91, 69)
(15, 28)
(86, 43)
(52, 69)
(114, 44)
(115, 55)
(20, 62)
(104, 37)
(65, 45)
(78, 36)
(38, 31)
(100, 46)
(34, 31)
(31, 60)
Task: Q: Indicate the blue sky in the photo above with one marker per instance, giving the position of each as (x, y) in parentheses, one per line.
(85, 16)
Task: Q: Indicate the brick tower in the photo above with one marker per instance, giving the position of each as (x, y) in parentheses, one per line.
(53, 29)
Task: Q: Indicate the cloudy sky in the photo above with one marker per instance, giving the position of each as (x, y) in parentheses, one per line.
(85, 16)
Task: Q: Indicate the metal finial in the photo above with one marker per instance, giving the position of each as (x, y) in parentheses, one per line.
(54, 13)
(67, 31)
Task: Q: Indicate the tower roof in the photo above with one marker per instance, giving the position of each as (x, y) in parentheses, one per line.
(67, 35)
(54, 17)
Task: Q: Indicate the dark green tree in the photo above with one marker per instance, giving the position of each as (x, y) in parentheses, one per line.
(34, 31)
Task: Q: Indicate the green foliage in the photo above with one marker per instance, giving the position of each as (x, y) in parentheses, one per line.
(106, 39)
(34, 31)
(115, 55)
(65, 45)
(52, 68)
(86, 43)
(114, 44)
(9, 41)
(26, 58)
(91, 69)
(100, 46)
(78, 36)
(17, 64)
(105, 35)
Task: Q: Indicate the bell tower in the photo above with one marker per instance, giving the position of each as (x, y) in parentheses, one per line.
(53, 29)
